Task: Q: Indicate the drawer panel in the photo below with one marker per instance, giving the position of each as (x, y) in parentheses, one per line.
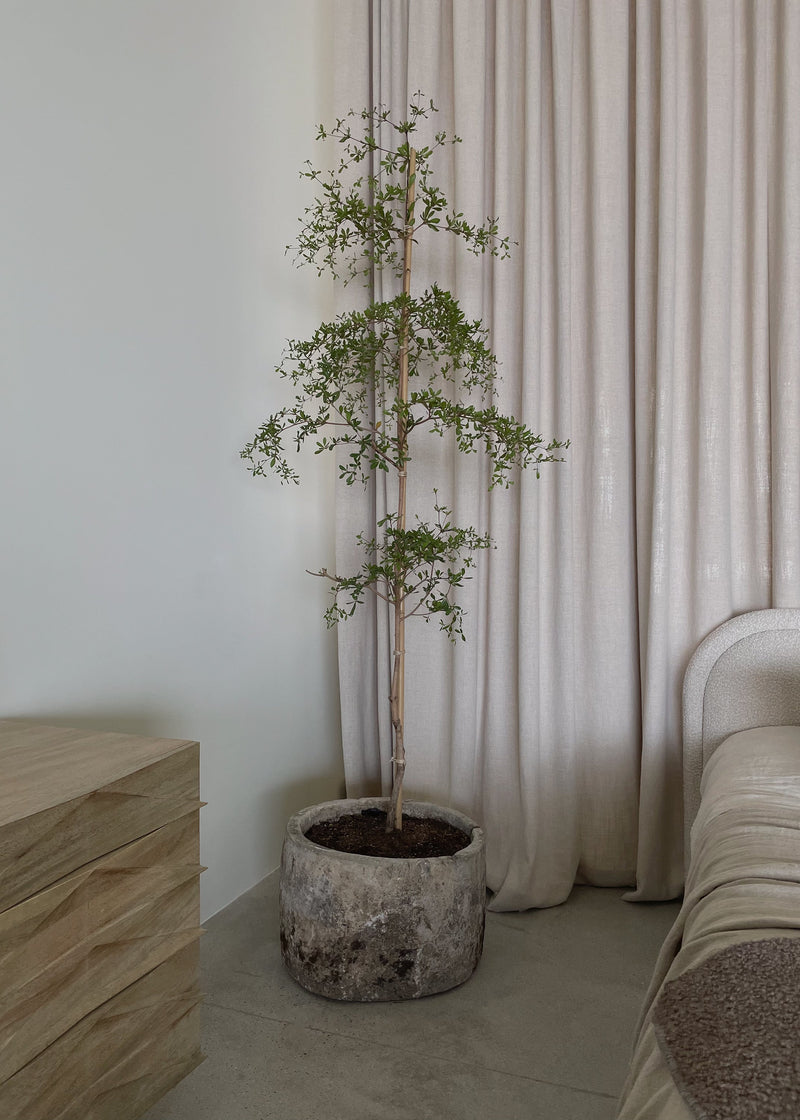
(147, 1075)
(38, 850)
(115, 1063)
(82, 941)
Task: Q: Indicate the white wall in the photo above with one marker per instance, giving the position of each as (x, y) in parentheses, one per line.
(147, 583)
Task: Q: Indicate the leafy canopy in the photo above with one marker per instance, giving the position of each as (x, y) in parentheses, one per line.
(358, 222)
(347, 374)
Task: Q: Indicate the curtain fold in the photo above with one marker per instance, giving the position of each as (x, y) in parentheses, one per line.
(645, 156)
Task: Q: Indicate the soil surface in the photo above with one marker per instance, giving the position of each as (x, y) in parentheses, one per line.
(365, 834)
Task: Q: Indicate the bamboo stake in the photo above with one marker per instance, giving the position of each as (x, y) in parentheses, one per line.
(397, 697)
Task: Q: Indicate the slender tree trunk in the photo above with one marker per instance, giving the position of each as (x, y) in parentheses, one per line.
(397, 695)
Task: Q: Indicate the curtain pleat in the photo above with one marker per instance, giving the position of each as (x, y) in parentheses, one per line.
(645, 156)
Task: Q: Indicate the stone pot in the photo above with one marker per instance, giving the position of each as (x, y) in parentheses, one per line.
(369, 928)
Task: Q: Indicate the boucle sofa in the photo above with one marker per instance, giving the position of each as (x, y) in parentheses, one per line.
(719, 1035)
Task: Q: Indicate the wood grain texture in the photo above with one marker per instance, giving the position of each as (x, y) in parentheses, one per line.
(42, 767)
(35, 1010)
(37, 850)
(99, 921)
(118, 1060)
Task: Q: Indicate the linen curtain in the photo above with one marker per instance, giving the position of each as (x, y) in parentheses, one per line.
(645, 156)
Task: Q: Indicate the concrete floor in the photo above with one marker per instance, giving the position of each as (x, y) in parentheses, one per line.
(542, 1030)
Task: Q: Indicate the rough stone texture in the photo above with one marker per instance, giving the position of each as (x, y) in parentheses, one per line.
(369, 928)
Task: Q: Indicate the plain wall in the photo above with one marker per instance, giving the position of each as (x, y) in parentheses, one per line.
(150, 155)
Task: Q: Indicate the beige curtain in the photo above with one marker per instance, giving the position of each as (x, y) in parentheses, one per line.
(646, 158)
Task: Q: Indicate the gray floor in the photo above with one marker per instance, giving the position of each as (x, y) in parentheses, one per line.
(542, 1030)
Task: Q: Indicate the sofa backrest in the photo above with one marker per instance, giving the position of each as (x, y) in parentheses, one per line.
(745, 674)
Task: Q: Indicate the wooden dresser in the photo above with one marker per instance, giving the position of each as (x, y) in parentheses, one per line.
(99, 921)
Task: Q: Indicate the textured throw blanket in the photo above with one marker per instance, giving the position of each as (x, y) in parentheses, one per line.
(729, 1030)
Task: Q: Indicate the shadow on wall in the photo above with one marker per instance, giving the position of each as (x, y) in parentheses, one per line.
(291, 798)
(310, 791)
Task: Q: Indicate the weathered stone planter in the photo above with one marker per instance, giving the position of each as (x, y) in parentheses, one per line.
(370, 928)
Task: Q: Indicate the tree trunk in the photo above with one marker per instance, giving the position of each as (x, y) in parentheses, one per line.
(397, 695)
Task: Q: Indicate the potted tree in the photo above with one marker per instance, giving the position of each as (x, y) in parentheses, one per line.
(381, 900)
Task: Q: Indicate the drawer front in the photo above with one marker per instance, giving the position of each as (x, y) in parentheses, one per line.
(121, 1058)
(74, 946)
(39, 850)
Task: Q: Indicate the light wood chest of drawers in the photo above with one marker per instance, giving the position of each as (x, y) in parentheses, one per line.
(99, 921)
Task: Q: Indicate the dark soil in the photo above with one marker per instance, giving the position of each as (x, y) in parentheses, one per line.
(365, 834)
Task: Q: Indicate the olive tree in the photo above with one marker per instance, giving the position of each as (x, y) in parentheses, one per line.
(371, 379)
